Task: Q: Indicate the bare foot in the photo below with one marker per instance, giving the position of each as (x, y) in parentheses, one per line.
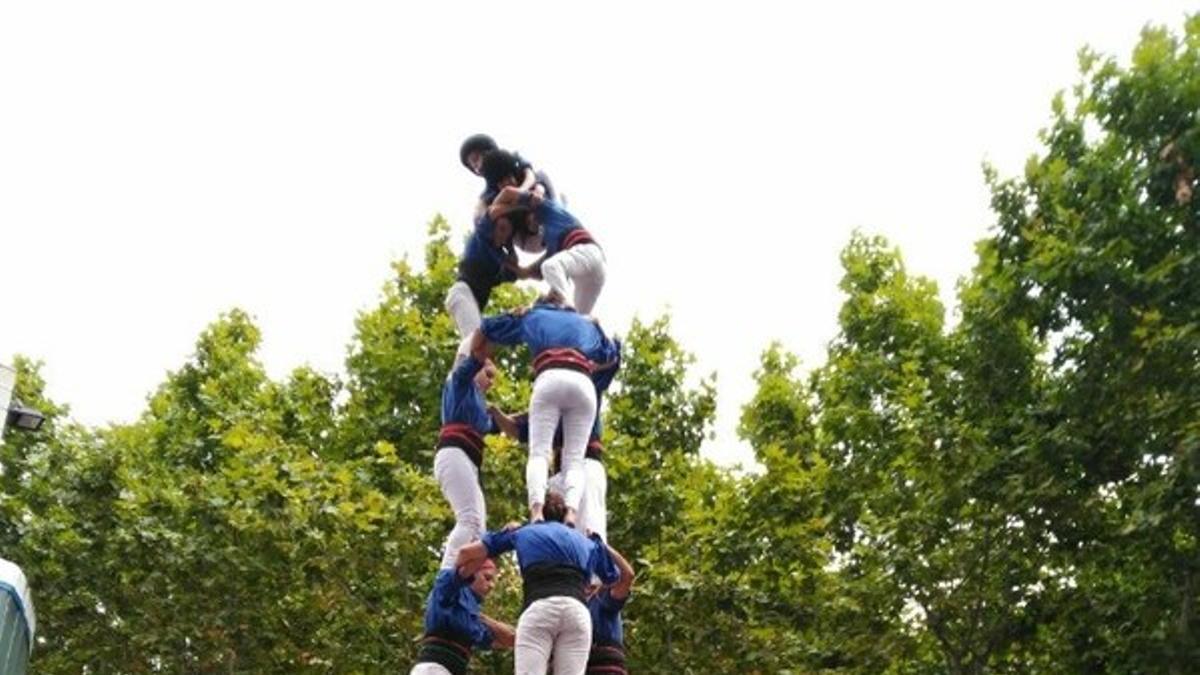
(535, 514)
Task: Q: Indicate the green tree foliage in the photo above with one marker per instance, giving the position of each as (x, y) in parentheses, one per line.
(1099, 244)
(1019, 493)
(247, 525)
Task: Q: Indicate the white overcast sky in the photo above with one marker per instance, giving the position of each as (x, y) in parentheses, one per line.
(161, 162)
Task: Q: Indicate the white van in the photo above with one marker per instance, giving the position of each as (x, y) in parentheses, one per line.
(17, 620)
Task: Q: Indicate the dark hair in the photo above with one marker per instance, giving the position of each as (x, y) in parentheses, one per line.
(555, 507)
(481, 143)
(519, 218)
(499, 164)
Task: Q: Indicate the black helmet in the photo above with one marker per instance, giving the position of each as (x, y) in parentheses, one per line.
(481, 143)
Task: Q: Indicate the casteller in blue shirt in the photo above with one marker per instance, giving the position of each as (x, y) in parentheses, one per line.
(608, 635)
(465, 419)
(453, 627)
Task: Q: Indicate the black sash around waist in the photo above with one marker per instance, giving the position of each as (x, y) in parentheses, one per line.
(577, 237)
(606, 657)
(549, 580)
(449, 650)
(465, 437)
(562, 357)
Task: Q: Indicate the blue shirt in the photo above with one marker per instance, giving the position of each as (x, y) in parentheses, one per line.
(553, 543)
(462, 402)
(606, 617)
(550, 326)
(452, 607)
(556, 224)
(603, 377)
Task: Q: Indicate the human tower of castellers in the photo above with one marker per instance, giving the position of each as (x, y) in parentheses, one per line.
(574, 583)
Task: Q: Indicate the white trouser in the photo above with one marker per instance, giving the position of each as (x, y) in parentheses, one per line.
(461, 305)
(593, 510)
(459, 478)
(429, 669)
(464, 350)
(568, 395)
(560, 627)
(582, 266)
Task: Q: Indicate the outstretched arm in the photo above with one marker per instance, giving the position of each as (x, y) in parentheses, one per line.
(510, 197)
(505, 199)
(470, 558)
(532, 183)
(529, 179)
(492, 544)
(620, 590)
(507, 423)
(464, 372)
(480, 348)
(503, 635)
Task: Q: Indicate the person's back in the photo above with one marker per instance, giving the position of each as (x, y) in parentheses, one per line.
(548, 326)
(550, 542)
(567, 350)
(558, 227)
(555, 560)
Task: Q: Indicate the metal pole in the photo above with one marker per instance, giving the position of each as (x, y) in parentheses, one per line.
(8, 381)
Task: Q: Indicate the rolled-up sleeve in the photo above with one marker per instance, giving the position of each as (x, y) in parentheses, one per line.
(499, 542)
(482, 639)
(600, 562)
(503, 329)
(463, 375)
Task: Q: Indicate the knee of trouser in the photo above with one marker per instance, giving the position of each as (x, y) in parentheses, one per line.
(596, 263)
(599, 272)
(464, 350)
(553, 269)
(452, 296)
(471, 519)
(540, 450)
